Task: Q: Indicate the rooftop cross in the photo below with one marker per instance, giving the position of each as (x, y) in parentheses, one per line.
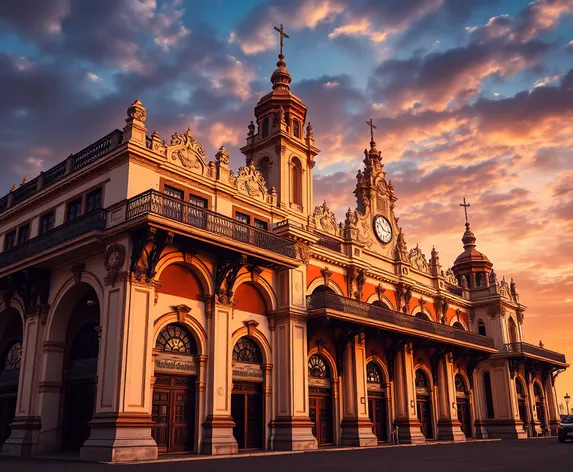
(282, 35)
(465, 205)
(372, 128)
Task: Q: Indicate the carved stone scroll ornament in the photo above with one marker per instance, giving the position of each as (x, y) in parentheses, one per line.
(225, 278)
(403, 297)
(303, 251)
(496, 309)
(418, 260)
(77, 270)
(380, 292)
(451, 278)
(190, 153)
(136, 112)
(325, 219)
(250, 181)
(326, 274)
(113, 262)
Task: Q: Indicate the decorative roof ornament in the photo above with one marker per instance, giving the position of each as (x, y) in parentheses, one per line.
(325, 219)
(222, 157)
(189, 152)
(251, 128)
(251, 182)
(309, 131)
(136, 111)
(401, 250)
(418, 260)
(281, 77)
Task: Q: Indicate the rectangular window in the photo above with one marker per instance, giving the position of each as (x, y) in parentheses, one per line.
(74, 209)
(243, 218)
(23, 233)
(173, 192)
(93, 200)
(10, 240)
(488, 395)
(46, 222)
(261, 224)
(197, 201)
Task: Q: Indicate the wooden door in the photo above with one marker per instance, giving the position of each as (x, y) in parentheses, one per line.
(541, 414)
(464, 416)
(172, 412)
(321, 417)
(78, 412)
(160, 414)
(425, 417)
(523, 414)
(377, 414)
(247, 413)
(7, 413)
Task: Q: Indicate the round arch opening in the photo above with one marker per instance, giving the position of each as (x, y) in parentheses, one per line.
(321, 400)
(424, 403)
(377, 400)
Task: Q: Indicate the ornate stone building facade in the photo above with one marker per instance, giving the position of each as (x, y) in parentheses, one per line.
(156, 301)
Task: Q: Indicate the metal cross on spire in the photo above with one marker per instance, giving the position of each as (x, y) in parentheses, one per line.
(372, 128)
(282, 35)
(465, 205)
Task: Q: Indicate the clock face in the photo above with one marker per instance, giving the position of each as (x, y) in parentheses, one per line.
(383, 229)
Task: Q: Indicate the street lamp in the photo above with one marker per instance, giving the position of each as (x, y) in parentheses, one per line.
(561, 408)
(567, 398)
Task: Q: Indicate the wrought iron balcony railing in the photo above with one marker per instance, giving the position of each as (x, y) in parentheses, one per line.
(72, 164)
(96, 220)
(365, 310)
(153, 202)
(533, 350)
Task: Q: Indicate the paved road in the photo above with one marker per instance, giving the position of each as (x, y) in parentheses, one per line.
(501, 456)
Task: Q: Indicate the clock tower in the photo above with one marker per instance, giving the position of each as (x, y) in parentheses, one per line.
(281, 144)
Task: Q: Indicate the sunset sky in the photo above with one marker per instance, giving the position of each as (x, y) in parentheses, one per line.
(471, 98)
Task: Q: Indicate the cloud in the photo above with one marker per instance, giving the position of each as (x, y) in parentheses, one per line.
(255, 32)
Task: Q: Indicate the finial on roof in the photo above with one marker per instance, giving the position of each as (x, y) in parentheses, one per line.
(281, 78)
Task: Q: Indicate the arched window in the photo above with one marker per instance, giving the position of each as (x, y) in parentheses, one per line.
(86, 343)
(537, 390)
(13, 357)
(296, 183)
(479, 279)
(265, 169)
(458, 325)
(488, 395)
(296, 128)
(423, 316)
(513, 337)
(373, 374)
(422, 380)
(175, 338)
(317, 367)
(323, 289)
(265, 127)
(481, 328)
(381, 304)
(460, 384)
(247, 351)
(519, 388)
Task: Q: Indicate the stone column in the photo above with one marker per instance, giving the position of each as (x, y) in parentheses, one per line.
(23, 438)
(218, 426)
(449, 427)
(356, 424)
(121, 425)
(553, 416)
(291, 425)
(406, 419)
(535, 424)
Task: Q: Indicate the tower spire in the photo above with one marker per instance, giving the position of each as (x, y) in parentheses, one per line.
(281, 78)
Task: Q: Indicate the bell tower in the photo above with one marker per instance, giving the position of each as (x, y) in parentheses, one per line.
(281, 144)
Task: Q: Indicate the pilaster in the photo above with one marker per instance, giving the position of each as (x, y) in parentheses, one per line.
(356, 424)
(406, 419)
(218, 426)
(291, 428)
(449, 427)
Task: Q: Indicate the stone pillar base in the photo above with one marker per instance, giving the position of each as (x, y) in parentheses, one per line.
(502, 429)
(218, 436)
(120, 437)
(536, 428)
(553, 425)
(450, 430)
(409, 430)
(23, 440)
(292, 434)
(357, 432)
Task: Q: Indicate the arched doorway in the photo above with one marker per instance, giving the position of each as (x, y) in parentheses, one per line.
(377, 410)
(521, 403)
(247, 395)
(424, 403)
(320, 399)
(463, 405)
(539, 405)
(10, 359)
(80, 371)
(173, 403)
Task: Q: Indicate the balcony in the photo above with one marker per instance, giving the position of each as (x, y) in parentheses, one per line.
(336, 306)
(535, 352)
(72, 164)
(210, 226)
(93, 221)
